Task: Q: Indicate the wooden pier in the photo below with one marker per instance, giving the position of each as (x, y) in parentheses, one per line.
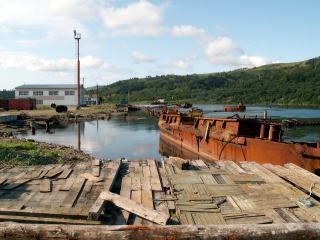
(147, 192)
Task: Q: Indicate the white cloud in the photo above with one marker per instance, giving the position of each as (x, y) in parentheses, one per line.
(182, 64)
(138, 13)
(59, 15)
(138, 18)
(188, 31)
(224, 51)
(221, 50)
(33, 62)
(91, 62)
(139, 57)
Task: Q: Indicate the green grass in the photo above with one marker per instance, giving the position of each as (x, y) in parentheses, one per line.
(25, 154)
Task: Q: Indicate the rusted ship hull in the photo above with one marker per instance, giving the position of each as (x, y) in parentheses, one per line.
(237, 140)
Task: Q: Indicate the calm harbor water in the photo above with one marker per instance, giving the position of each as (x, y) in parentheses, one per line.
(138, 135)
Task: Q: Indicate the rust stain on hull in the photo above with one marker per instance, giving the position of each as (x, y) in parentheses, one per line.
(237, 140)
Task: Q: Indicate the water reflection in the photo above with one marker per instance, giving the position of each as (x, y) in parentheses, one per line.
(132, 137)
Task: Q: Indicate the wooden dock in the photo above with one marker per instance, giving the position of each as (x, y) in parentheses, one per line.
(188, 192)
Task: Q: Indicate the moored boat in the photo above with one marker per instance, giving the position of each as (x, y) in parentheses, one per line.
(238, 139)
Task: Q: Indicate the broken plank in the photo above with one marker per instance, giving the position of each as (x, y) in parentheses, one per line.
(137, 209)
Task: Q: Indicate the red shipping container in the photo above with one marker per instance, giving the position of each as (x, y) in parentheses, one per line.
(4, 103)
(22, 104)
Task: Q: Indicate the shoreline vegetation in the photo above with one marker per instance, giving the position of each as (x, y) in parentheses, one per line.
(292, 84)
(27, 152)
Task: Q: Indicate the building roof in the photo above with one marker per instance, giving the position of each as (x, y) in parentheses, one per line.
(47, 86)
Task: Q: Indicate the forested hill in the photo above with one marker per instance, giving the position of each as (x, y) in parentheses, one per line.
(283, 83)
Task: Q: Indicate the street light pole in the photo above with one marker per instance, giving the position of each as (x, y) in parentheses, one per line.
(77, 37)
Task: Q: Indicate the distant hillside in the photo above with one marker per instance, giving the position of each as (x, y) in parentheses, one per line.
(283, 83)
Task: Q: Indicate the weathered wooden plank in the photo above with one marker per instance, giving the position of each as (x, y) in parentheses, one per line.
(67, 185)
(276, 218)
(45, 170)
(125, 191)
(164, 177)
(90, 177)
(41, 211)
(15, 184)
(96, 162)
(136, 196)
(96, 171)
(45, 185)
(181, 179)
(135, 184)
(262, 172)
(146, 197)
(208, 179)
(201, 164)
(97, 207)
(155, 180)
(54, 172)
(231, 167)
(137, 209)
(19, 204)
(246, 178)
(302, 181)
(65, 174)
(146, 171)
(249, 220)
(145, 183)
(111, 177)
(220, 190)
(30, 219)
(74, 192)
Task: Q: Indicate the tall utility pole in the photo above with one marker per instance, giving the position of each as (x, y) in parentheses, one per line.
(98, 94)
(77, 37)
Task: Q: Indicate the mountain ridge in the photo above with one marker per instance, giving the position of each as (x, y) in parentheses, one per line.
(296, 83)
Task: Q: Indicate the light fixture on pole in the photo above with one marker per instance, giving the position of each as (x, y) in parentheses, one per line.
(77, 37)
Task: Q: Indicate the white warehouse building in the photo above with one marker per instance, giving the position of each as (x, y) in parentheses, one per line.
(46, 94)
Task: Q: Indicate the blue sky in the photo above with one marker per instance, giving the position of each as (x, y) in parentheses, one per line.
(122, 39)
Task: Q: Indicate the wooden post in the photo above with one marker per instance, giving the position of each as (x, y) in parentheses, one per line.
(305, 231)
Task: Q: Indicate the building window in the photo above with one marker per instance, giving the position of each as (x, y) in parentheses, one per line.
(23, 93)
(37, 93)
(40, 102)
(69, 93)
(53, 93)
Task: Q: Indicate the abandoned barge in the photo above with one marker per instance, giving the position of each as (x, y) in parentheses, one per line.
(237, 139)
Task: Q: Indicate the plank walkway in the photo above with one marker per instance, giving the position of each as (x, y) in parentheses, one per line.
(191, 192)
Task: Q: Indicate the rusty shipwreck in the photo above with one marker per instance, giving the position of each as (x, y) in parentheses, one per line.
(237, 139)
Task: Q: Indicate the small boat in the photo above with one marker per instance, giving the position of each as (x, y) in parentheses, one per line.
(237, 139)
